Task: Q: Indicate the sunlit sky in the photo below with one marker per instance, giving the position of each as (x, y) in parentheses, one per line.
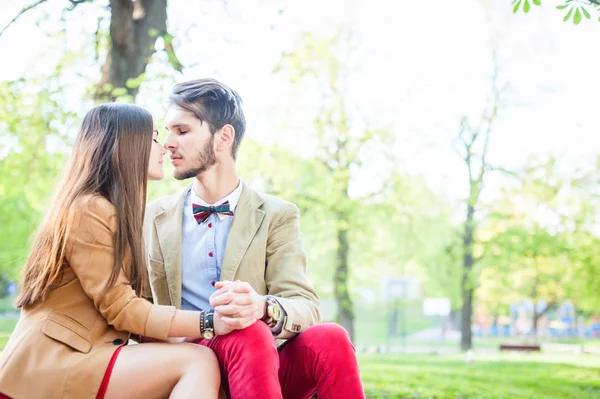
(420, 66)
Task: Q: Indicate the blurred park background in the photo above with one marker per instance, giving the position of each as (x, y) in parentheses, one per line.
(444, 155)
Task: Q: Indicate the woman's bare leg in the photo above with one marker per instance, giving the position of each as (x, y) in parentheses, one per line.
(161, 370)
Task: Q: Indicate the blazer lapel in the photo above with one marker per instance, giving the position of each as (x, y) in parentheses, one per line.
(169, 226)
(246, 221)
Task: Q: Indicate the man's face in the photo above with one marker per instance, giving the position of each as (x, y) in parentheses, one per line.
(189, 142)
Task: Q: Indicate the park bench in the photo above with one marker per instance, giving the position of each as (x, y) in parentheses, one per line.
(520, 347)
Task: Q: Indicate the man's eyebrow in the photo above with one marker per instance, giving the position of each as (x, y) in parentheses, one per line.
(178, 125)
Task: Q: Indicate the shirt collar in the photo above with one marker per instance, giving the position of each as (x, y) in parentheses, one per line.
(233, 199)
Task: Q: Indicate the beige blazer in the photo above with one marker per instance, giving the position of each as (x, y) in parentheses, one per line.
(264, 248)
(61, 347)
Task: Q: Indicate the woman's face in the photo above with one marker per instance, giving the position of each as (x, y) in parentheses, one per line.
(155, 168)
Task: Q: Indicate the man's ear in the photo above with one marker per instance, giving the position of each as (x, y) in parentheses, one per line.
(226, 137)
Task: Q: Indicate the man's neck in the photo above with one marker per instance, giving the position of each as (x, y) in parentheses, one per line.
(216, 183)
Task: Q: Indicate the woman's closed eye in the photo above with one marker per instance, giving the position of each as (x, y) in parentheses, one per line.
(156, 141)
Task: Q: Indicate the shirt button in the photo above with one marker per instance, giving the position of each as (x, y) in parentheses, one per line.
(117, 341)
(209, 225)
(210, 254)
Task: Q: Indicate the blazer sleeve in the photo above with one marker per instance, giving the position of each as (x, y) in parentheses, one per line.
(286, 275)
(90, 252)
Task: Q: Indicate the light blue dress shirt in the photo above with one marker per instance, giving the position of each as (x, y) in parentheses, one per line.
(203, 248)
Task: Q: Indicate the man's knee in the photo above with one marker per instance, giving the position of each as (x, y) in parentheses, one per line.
(258, 332)
(250, 352)
(256, 338)
(321, 337)
(327, 331)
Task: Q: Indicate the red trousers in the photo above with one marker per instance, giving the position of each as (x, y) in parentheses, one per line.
(319, 360)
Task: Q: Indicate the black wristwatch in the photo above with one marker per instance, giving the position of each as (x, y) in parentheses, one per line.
(207, 327)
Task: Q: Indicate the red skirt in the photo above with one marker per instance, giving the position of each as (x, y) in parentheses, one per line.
(105, 380)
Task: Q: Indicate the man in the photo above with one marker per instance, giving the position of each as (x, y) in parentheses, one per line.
(220, 245)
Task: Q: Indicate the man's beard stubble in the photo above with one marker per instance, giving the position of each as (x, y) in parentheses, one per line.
(206, 159)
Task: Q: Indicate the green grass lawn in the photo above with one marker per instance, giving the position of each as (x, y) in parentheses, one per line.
(494, 376)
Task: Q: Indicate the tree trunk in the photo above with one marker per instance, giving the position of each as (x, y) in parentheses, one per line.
(534, 293)
(134, 27)
(537, 316)
(453, 323)
(345, 307)
(534, 324)
(467, 282)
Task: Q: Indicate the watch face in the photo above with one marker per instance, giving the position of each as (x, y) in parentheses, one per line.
(208, 334)
(275, 312)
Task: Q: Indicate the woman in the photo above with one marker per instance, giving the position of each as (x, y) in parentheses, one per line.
(81, 285)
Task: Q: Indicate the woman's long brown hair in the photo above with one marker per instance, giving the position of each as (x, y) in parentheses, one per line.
(110, 158)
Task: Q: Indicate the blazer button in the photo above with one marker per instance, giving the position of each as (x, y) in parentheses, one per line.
(118, 341)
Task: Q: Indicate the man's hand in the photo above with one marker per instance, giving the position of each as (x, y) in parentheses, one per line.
(237, 304)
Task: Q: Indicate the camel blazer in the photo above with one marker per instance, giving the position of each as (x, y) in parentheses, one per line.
(61, 347)
(264, 248)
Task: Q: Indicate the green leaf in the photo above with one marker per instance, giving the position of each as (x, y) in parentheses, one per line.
(537, 2)
(119, 91)
(562, 7)
(585, 12)
(526, 7)
(566, 18)
(577, 17)
(135, 83)
(517, 7)
(168, 39)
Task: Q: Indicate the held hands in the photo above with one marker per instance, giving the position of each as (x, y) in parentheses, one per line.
(220, 326)
(236, 305)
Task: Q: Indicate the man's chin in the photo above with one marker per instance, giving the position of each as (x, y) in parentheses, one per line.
(186, 174)
(180, 176)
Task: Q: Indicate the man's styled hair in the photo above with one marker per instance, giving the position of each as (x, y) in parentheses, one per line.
(214, 103)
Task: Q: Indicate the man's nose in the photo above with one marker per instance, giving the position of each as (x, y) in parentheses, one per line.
(169, 143)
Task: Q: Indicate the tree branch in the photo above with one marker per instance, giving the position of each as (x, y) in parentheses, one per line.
(503, 170)
(549, 306)
(490, 118)
(171, 55)
(23, 11)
